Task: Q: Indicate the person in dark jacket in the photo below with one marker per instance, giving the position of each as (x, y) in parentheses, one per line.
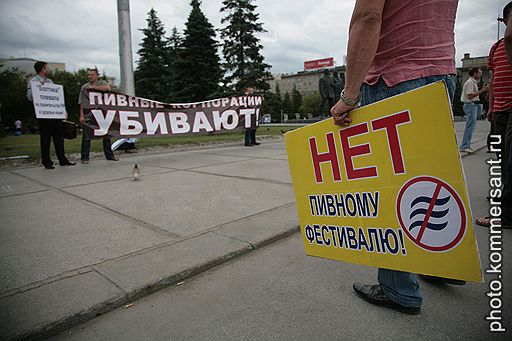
(326, 88)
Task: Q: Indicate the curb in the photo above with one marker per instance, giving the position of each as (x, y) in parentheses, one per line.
(118, 296)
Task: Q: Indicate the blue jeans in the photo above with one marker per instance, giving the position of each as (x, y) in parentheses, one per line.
(470, 109)
(401, 287)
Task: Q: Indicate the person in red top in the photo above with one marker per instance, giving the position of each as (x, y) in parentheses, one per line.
(394, 47)
(500, 114)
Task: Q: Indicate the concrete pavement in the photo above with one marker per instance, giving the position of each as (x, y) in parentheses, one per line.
(76, 242)
(279, 293)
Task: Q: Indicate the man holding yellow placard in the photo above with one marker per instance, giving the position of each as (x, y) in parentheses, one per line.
(395, 47)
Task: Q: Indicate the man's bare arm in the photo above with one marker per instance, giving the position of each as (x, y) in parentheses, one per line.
(364, 34)
(479, 92)
(101, 87)
(491, 98)
(81, 118)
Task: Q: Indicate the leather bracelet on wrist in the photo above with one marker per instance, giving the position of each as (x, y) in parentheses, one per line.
(349, 101)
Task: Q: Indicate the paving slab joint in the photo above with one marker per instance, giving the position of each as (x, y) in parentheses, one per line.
(34, 285)
(72, 320)
(267, 241)
(276, 237)
(75, 319)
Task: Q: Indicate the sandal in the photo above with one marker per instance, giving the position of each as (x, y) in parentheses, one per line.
(485, 221)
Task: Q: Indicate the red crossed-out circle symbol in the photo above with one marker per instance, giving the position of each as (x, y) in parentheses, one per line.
(431, 214)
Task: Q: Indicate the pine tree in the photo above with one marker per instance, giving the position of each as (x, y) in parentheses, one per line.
(175, 40)
(152, 73)
(296, 99)
(287, 103)
(174, 48)
(198, 66)
(242, 49)
(278, 100)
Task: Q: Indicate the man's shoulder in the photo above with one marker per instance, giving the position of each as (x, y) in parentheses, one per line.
(38, 79)
(494, 47)
(84, 86)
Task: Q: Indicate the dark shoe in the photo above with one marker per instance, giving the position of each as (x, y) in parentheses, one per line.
(50, 166)
(249, 145)
(483, 221)
(256, 143)
(67, 163)
(84, 162)
(375, 295)
(486, 222)
(114, 159)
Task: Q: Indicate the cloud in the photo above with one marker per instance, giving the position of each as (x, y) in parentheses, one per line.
(83, 33)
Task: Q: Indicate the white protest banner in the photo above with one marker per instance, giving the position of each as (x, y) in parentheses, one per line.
(48, 100)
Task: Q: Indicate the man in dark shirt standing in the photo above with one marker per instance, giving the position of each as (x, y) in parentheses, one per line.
(338, 85)
(48, 127)
(326, 88)
(250, 134)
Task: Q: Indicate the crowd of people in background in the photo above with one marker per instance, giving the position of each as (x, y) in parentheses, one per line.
(52, 129)
(330, 88)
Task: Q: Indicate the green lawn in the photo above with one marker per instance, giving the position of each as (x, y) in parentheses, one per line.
(29, 144)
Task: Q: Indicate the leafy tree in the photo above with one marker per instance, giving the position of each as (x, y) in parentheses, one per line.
(13, 89)
(310, 103)
(198, 66)
(242, 49)
(296, 100)
(152, 73)
(268, 107)
(13, 101)
(72, 82)
(457, 104)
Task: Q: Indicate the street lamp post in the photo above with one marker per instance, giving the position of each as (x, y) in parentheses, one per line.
(125, 47)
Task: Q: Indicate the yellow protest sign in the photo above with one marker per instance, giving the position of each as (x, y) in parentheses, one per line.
(388, 190)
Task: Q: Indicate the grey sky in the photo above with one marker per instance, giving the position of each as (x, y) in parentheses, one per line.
(83, 33)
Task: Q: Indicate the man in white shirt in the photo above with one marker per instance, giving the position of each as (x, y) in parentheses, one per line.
(470, 96)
